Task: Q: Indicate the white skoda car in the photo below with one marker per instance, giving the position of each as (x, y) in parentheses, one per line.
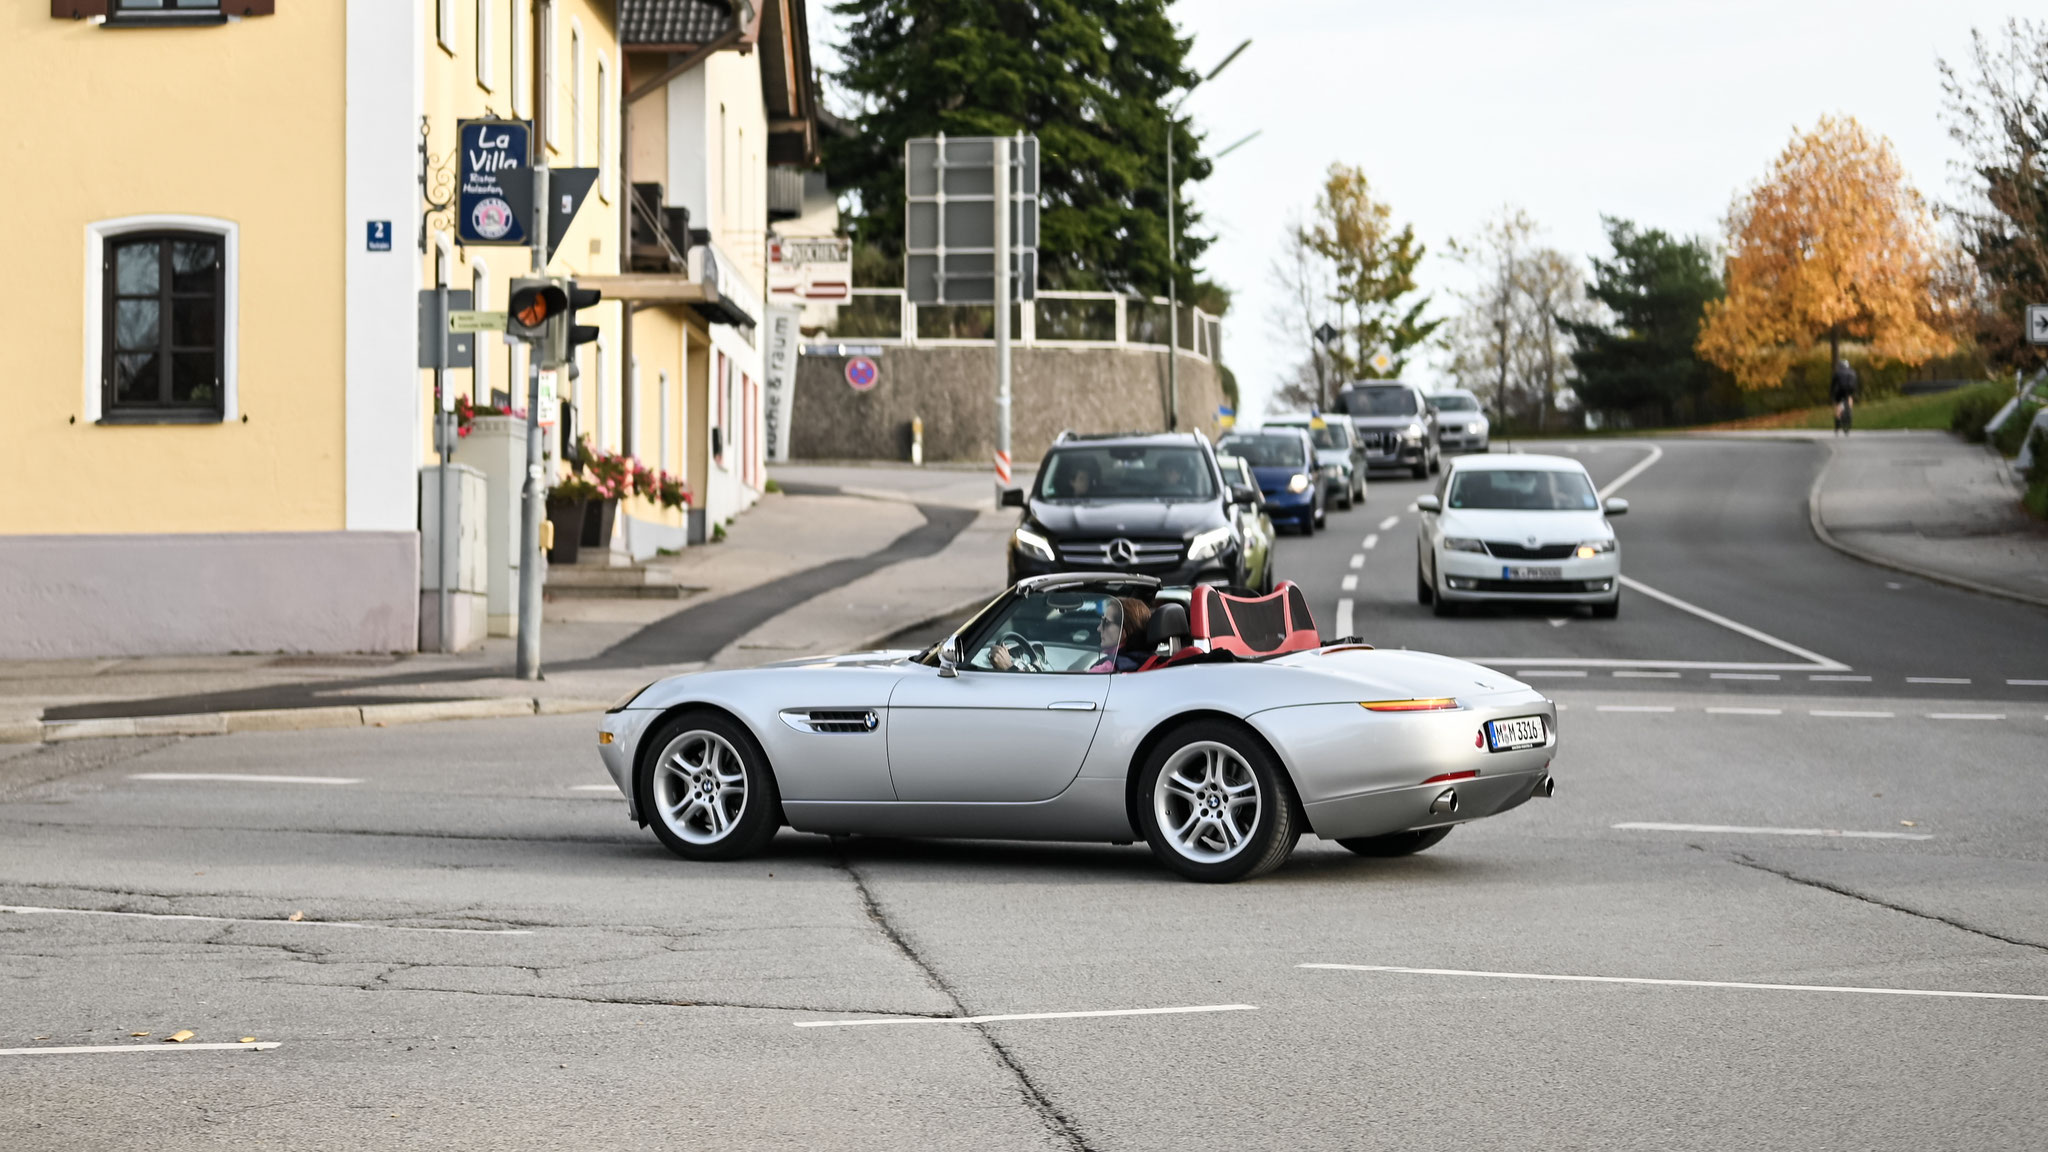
(1527, 528)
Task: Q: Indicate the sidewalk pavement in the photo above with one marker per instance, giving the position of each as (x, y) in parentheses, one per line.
(1935, 506)
(903, 565)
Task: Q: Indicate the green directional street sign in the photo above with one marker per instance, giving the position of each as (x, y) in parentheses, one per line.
(476, 321)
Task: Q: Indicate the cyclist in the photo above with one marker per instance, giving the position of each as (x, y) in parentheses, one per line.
(1842, 391)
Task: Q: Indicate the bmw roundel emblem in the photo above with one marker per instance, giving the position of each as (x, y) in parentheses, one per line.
(871, 720)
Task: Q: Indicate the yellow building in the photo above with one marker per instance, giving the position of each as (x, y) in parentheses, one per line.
(225, 214)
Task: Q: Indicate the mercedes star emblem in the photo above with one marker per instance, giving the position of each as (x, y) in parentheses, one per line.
(1122, 551)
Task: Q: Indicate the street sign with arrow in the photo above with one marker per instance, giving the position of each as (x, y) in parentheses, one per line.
(2037, 323)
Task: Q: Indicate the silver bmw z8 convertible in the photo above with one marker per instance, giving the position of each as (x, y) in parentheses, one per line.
(1094, 707)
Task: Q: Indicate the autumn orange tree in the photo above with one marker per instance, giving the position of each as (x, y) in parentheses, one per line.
(1835, 245)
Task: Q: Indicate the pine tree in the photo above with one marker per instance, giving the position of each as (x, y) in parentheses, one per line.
(1656, 287)
(1092, 79)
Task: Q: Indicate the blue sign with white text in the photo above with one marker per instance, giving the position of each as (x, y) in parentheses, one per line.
(483, 214)
(379, 239)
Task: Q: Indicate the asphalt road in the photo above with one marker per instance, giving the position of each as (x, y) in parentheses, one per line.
(489, 955)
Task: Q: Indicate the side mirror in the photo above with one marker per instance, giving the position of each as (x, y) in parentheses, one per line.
(949, 657)
(1243, 494)
(1615, 506)
(1428, 504)
(1010, 498)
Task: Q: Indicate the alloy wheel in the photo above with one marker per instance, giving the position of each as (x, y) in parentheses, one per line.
(700, 786)
(1207, 802)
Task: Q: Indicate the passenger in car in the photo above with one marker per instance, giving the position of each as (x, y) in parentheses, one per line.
(1123, 645)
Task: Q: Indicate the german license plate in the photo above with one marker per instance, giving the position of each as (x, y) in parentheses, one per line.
(1531, 572)
(1518, 732)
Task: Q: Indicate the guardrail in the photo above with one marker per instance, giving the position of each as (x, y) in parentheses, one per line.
(883, 316)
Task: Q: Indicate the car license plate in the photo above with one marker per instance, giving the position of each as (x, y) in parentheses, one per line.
(1530, 572)
(1519, 732)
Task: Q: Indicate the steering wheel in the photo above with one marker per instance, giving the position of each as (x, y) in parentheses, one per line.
(1024, 654)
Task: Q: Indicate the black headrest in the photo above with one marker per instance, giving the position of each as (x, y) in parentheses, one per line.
(1169, 622)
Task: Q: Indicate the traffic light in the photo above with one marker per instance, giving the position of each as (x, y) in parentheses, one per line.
(534, 302)
(575, 334)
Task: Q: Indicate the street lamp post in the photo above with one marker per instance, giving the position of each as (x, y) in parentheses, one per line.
(1173, 248)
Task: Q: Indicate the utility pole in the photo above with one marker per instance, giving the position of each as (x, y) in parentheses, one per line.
(444, 427)
(1002, 293)
(534, 494)
(1172, 287)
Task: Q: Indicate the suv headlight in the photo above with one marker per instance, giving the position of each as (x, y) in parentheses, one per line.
(1032, 544)
(1463, 544)
(1412, 432)
(1298, 482)
(1210, 543)
(1592, 548)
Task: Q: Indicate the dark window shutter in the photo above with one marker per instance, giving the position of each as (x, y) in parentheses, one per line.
(249, 7)
(77, 9)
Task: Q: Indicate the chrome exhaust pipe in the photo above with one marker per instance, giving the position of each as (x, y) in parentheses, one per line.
(1545, 787)
(1445, 803)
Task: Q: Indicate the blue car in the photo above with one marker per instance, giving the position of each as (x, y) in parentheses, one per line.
(1284, 461)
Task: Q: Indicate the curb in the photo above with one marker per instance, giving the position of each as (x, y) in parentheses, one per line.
(291, 719)
(1820, 531)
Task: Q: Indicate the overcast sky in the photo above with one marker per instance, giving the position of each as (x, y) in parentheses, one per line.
(1657, 112)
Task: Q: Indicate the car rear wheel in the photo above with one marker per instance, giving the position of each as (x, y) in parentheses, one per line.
(707, 790)
(1396, 844)
(1214, 804)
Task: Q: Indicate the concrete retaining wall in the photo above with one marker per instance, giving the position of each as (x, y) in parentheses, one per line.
(188, 594)
(953, 390)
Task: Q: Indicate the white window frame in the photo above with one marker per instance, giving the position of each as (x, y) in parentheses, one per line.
(522, 64)
(598, 405)
(662, 382)
(486, 54)
(604, 129)
(576, 134)
(97, 234)
(548, 91)
(480, 299)
(444, 25)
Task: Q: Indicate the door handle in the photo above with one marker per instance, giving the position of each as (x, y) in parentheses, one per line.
(1072, 706)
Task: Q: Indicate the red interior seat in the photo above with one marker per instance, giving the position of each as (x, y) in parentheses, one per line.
(1253, 625)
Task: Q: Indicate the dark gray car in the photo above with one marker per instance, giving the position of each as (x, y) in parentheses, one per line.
(1396, 424)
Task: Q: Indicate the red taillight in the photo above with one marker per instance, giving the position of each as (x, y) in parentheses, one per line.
(1479, 738)
(1436, 704)
(1452, 776)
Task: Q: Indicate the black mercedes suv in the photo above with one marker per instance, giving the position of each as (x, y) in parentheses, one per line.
(1151, 504)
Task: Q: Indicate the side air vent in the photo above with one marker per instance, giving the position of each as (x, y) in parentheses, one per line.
(851, 721)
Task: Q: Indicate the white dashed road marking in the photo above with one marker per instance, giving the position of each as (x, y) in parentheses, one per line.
(235, 778)
(32, 910)
(1344, 618)
(1634, 674)
(593, 788)
(1526, 673)
(1645, 826)
(1026, 1016)
(1966, 715)
(1350, 584)
(1745, 711)
(1371, 541)
(1389, 522)
(1843, 679)
(2028, 683)
(1633, 708)
(1742, 984)
(1850, 715)
(100, 1049)
(1937, 679)
(1358, 560)
(1743, 675)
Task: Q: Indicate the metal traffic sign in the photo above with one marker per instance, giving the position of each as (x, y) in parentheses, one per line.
(2037, 323)
(861, 373)
(485, 212)
(950, 219)
(461, 348)
(566, 189)
(1326, 334)
(469, 321)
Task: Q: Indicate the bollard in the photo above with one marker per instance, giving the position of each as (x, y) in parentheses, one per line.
(917, 440)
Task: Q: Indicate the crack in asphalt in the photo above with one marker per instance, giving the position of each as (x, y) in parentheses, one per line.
(1035, 1097)
(1837, 889)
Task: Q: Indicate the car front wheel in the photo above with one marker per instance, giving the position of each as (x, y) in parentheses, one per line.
(707, 790)
(1214, 805)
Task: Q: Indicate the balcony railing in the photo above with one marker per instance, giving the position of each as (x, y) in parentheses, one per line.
(1061, 319)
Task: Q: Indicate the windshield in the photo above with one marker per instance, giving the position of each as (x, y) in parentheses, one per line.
(1063, 631)
(1380, 401)
(1328, 436)
(1456, 402)
(1532, 491)
(1136, 472)
(1266, 451)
